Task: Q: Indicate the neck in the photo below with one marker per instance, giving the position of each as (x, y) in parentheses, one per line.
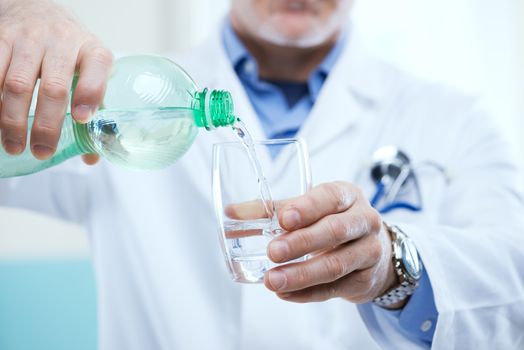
(285, 62)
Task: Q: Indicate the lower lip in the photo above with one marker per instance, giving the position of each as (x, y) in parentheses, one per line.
(295, 11)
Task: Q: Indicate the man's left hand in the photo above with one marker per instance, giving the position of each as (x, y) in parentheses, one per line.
(349, 246)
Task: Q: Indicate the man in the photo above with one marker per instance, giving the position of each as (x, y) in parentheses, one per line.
(293, 69)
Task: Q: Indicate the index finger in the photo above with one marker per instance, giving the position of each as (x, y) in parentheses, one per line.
(322, 200)
(250, 210)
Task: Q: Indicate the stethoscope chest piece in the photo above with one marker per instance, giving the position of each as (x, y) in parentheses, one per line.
(388, 163)
(391, 171)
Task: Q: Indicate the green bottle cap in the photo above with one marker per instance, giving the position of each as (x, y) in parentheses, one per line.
(213, 109)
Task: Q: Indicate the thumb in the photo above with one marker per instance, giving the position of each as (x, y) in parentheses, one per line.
(90, 159)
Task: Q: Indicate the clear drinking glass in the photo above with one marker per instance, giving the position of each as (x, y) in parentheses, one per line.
(245, 226)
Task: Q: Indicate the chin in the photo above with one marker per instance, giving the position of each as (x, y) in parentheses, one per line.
(295, 28)
(289, 30)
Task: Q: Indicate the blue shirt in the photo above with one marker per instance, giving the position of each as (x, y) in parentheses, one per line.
(282, 108)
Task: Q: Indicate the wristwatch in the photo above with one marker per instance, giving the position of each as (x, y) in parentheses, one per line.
(407, 265)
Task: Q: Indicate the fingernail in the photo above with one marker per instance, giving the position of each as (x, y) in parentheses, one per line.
(42, 151)
(278, 250)
(13, 147)
(83, 113)
(277, 279)
(290, 219)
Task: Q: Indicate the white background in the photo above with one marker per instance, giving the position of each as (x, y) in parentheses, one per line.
(475, 45)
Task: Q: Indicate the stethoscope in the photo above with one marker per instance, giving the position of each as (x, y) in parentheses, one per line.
(392, 173)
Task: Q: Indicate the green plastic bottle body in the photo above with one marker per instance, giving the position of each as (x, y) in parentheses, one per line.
(145, 139)
(150, 117)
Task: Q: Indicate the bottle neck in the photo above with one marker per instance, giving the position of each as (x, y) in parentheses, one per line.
(213, 109)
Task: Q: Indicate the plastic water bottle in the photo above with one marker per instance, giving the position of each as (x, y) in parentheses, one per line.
(149, 118)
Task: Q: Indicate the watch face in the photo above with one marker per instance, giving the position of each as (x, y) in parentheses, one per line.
(410, 259)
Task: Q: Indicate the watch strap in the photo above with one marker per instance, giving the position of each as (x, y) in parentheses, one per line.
(407, 285)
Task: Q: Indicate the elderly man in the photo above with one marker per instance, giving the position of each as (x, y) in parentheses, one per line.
(294, 68)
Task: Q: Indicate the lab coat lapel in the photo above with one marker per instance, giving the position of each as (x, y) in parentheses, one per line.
(349, 95)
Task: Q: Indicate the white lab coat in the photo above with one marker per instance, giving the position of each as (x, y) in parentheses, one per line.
(162, 282)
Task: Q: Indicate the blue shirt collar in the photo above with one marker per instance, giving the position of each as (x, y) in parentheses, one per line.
(247, 68)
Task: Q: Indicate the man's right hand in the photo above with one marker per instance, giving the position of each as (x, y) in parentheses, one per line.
(39, 39)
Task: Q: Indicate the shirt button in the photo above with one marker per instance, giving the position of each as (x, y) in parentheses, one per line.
(426, 325)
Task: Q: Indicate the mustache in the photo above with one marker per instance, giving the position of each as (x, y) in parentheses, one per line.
(301, 5)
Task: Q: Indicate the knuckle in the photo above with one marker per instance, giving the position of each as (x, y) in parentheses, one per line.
(305, 242)
(358, 226)
(307, 201)
(335, 267)
(89, 90)
(357, 194)
(45, 132)
(332, 189)
(375, 250)
(32, 33)
(19, 83)
(337, 229)
(14, 126)
(331, 292)
(25, 62)
(327, 291)
(102, 55)
(374, 221)
(55, 88)
(302, 275)
(364, 280)
(304, 206)
(61, 29)
(365, 223)
(340, 194)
